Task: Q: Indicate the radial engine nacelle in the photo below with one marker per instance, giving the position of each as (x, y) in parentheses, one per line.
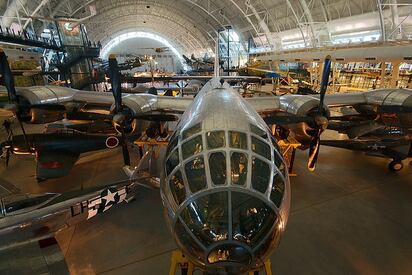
(301, 106)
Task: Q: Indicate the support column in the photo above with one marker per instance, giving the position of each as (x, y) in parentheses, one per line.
(395, 74)
(383, 75)
(396, 27)
(381, 20)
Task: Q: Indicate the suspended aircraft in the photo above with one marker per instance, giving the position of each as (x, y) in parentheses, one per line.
(223, 181)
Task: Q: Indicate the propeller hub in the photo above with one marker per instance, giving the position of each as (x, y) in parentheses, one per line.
(119, 118)
(322, 122)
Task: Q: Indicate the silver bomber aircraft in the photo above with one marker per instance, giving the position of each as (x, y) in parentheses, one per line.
(223, 181)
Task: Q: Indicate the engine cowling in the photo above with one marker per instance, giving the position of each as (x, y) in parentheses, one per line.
(398, 97)
(301, 106)
(130, 107)
(38, 116)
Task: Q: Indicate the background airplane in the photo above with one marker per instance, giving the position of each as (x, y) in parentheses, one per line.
(383, 131)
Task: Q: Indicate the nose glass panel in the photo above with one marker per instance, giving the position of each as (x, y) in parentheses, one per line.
(252, 219)
(217, 166)
(195, 173)
(187, 241)
(177, 187)
(238, 162)
(215, 139)
(192, 147)
(231, 253)
(207, 217)
(260, 175)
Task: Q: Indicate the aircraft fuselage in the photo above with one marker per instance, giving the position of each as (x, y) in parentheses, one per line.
(225, 188)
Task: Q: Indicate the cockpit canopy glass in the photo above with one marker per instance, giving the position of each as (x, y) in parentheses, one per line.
(215, 139)
(177, 187)
(207, 217)
(260, 175)
(238, 140)
(189, 243)
(239, 164)
(278, 188)
(217, 165)
(229, 253)
(192, 147)
(195, 173)
(252, 219)
(260, 147)
(172, 161)
(191, 131)
(258, 131)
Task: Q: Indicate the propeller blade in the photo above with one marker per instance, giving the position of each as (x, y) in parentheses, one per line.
(325, 82)
(314, 151)
(156, 117)
(8, 153)
(116, 84)
(320, 120)
(284, 120)
(126, 155)
(8, 77)
(87, 116)
(394, 109)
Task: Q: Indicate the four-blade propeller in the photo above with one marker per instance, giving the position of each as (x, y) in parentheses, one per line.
(318, 121)
(120, 115)
(321, 122)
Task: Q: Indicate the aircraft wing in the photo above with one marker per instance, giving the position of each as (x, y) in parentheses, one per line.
(54, 164)
(337, 100)
(286, 102)
(139, 103)
(265, 104)
(392, 148)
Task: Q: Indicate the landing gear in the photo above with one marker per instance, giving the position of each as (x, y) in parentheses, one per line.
(395, 165)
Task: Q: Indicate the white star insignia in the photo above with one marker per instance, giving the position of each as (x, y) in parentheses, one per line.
(109, 197)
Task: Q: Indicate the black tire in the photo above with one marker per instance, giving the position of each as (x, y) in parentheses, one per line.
(395, 165)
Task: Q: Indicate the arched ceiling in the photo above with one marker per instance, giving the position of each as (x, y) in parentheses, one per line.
(191, 25)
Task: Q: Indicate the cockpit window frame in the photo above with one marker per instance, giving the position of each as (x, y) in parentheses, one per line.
(209, 155)
(187, 178)
(186, 134)
(195, 153)
(269, 165)
(257, 131)
(265, 142)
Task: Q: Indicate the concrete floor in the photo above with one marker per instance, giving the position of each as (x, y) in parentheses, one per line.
(351, 216)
